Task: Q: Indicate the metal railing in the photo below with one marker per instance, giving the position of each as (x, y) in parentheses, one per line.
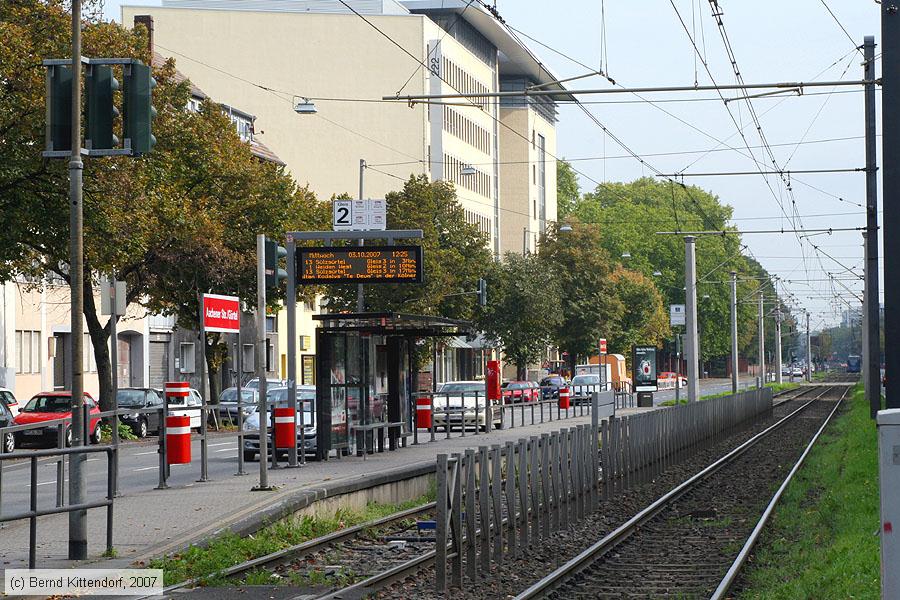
(34, 512)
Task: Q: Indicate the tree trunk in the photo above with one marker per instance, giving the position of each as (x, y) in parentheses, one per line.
(521, 370)
(100, 341)
(213, 368)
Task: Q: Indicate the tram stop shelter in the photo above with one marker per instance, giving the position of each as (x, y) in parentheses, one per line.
(366, 377)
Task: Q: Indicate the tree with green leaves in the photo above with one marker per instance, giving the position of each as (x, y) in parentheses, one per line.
(568, 192)
(523, 309)
(176, 222)
(584, 268)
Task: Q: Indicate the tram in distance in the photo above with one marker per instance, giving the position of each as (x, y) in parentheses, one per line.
(854, 363)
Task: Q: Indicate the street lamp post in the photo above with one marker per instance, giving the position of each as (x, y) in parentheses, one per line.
(690, 280)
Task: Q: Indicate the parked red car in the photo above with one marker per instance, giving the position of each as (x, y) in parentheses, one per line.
(48, 406)
(519, 391)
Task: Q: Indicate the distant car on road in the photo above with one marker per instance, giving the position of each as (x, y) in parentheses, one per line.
(228, 404)
(306, 402)
(519, 391)
(550, 386)
(48, 406)
(141, 424)
(797, 372)
(8, 443)
(583, 386)
(455, 403)
(253, 384)
(8, 399)
(187, 406)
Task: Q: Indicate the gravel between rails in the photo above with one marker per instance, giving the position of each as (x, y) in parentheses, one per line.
(516, 574)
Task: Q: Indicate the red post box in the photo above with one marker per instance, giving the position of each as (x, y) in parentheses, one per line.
(285, 428)
(493, 380)
(423, 413)
(178, 440)
(564, 398)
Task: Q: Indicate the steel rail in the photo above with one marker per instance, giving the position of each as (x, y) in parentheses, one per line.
(616, 537)
(307, 547)
(744, 554)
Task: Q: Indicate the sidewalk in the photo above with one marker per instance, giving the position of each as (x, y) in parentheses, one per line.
(153, 522)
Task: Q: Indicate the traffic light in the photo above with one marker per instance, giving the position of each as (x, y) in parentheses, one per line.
(139, 111)
(101, 112)
(59, 109)
(274, 272)
(482, 292)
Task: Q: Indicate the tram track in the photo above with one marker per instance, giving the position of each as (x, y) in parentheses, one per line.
(693, 540)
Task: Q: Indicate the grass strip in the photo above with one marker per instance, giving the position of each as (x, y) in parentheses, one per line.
(776, 387)
(821, 541)
(230, 549)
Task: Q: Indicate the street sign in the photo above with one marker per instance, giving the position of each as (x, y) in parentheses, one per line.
(368, 264)
(644, 368)
(342, 215)
(112, 298)
(221, 313)
(359, 215)
(602, 345)
(676, 314)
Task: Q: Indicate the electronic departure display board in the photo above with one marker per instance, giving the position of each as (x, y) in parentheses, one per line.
(359, 264)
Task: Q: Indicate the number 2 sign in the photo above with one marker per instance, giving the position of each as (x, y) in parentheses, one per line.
(342, 216)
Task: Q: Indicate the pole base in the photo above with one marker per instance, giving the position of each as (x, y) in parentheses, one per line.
(258, 488)
(202, 480)
(77, 550)
(240, 473)
(161, 486)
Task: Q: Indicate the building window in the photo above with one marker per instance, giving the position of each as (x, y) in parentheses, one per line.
(305, 342)
(187, 357)
(271, 324)
(28, 351)
(542, 179)
(247, 359)
(308, 369)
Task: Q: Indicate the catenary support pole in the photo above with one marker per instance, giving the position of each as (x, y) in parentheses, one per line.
(735, 363)
(890, 158)
(204, 396)
(690, 281)
(778, 347)
(260, 351)
(808, 352)
(761, 326)
(292, 348)
(77, 480)
(873, 306)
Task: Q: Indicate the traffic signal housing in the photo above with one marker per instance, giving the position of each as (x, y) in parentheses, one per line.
(138, 106)
(101, 111)
(482, 292)
(59, 109)
(274, 272)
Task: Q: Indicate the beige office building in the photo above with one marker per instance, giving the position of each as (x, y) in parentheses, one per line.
(269, 55)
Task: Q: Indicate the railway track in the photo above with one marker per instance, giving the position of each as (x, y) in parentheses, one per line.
(692, 541)
(362, 553)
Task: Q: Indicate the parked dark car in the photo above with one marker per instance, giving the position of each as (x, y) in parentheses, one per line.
(137, 398)
(550, 386)
(8, 443)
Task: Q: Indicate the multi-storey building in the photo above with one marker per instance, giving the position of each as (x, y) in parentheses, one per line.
(267, 55)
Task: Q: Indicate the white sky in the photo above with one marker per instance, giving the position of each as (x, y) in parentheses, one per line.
(773, 41)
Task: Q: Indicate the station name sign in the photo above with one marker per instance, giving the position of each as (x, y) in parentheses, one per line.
(359, 264)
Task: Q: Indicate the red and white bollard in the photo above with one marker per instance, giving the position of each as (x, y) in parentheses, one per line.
(285, 428)
(564, 398)
(177, 389)
(423, 413)
(178, 440)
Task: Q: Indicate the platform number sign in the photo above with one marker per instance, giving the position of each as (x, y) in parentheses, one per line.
(342, 215)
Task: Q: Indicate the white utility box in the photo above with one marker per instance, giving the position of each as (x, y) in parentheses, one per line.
(889, 480)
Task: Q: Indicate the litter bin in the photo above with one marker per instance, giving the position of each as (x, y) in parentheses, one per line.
(645, 399)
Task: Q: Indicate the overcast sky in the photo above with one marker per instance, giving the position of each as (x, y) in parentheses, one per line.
(646, 45)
